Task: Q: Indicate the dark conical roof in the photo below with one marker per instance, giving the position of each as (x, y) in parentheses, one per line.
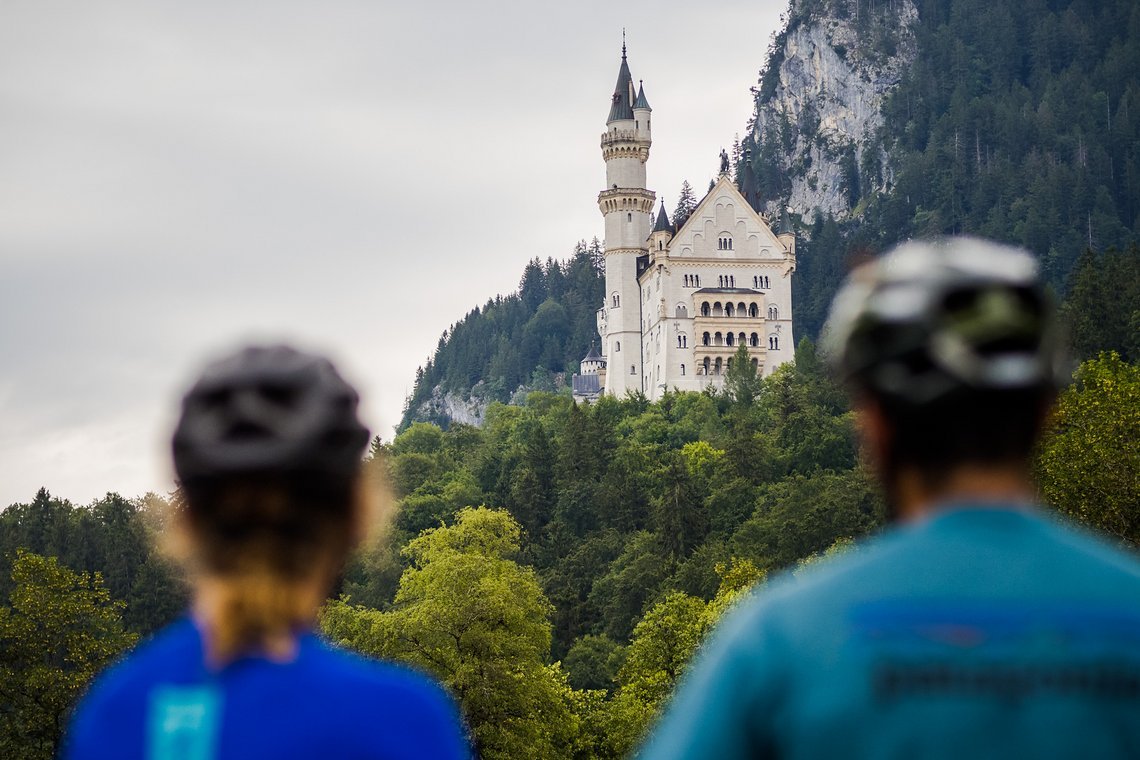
(785, 221)
(593, 355)
(663, 221)
(622, 104)
(641, 102)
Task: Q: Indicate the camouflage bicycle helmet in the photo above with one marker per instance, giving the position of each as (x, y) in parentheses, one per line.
(933, 318)
(269, 410)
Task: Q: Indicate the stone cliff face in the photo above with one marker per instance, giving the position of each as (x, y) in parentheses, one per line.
(447, 408)
(819, 104)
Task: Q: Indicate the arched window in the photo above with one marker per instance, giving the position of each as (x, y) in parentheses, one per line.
(756, 282)
(774, 342)
(704, 308)
(698, 279)
(632, 369)
(766, 285)
(705, 339)
(773, 312)
(682, 311)
(754, 340)
(732, 281)
(742, 338)
(705, 365)
(615, 301)
(753, 311)
(717, 366)
(682, 370)
(729, 339)
(617, 346)
(718, 340)
(629, 217)
(717, 310)
(660, 245)
(728, 310)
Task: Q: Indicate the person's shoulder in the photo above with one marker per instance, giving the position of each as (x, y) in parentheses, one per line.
(1094, 549)
(117, 695)
(416, 710)
(176, 647)
(389, 680)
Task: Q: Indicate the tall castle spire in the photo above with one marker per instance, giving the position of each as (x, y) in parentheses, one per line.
(628, 209)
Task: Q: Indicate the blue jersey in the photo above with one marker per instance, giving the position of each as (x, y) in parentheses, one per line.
(976, 633)
(163, 704)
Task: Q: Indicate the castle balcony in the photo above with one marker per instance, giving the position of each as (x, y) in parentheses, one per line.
(728, 332)
(617, 136)
(715, 360)
(626, 199)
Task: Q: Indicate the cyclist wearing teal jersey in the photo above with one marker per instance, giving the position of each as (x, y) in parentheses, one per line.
(268, 450)
(978, 626)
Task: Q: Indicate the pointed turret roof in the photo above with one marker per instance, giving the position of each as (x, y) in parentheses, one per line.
(621, 107)
(663, 221)
(785, 222)
(641, 102)
(593, 355)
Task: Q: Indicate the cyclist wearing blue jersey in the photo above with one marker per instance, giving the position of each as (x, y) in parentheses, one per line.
(977, 626)
(268, 449)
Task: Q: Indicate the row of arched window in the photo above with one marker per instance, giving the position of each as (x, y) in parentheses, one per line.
(727, 281)
(715, 366)
(760, 282)
(741, 309)
(736, 339)
(692, 281)
(724, 243)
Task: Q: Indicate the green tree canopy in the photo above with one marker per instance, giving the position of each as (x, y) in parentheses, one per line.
(59, 629)
(1089, 461)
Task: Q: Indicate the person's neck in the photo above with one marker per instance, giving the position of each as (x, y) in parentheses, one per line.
(967, 485)
(210, 605)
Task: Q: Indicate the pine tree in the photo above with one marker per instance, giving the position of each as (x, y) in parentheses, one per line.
(686, 204)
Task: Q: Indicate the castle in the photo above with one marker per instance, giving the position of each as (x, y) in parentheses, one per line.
(680, 302)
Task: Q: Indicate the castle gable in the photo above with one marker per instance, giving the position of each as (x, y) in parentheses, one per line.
(724, 225)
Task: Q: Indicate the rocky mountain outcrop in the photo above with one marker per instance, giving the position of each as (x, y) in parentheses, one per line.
(450, 408)
(819, 104)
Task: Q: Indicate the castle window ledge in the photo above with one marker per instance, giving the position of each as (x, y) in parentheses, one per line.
(753, 351)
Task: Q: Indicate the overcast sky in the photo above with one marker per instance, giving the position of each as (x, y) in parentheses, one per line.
(177, 177)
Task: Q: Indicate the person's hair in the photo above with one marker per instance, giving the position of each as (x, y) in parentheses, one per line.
(982, 428)
(261, 538)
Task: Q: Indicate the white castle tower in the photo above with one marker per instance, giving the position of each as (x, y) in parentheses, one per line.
(628, 208)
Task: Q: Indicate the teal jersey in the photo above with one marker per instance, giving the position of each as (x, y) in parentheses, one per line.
(979, 632)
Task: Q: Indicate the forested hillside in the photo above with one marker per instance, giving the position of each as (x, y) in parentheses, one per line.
(1018, 121)
(556, 568)
(532, 338)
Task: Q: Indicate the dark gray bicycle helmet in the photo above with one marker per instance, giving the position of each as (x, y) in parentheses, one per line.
(932, 318)
(269, 410)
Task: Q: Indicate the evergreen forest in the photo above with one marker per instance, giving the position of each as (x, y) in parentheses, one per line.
(556, 568)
